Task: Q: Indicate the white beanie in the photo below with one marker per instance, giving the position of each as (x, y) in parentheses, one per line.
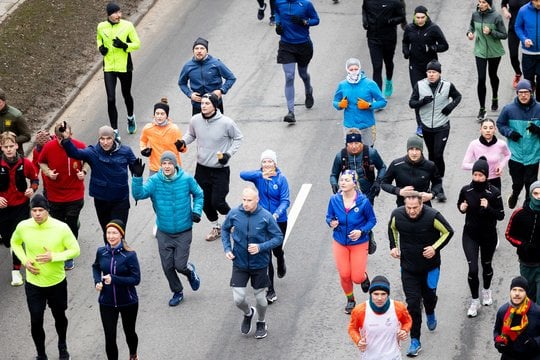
(269, 154)
(353, 61)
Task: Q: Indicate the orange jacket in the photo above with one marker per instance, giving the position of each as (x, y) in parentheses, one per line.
(160, 139)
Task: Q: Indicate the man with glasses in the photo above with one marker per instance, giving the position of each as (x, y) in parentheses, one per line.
(519, 121)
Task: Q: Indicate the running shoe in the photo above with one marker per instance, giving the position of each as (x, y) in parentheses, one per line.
(486, 297)
(388, 88)
(365, 284)
(64, 354)
(350, 306)
(132, 124)
(214, 234)
(431, 321)
(481, 114)
(419, 131)
(69, 264)
(512, 201)
(289, 118)
(414, 348)
(517, 77)
(260, 13)
(260, 331)
(16, 278)
(473, 309)
(176, 299)
(494, 104)
(246, 323)
(194, 280)
(309, 99)
(271, 296)
(281, 267)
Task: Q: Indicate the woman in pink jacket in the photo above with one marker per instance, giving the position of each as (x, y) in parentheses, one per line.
(494, 149)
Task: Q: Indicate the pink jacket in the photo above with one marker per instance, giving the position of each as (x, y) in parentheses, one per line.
(497, 156)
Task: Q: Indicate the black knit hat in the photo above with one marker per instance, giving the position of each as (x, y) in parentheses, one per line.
(434, 65)
(213, 99)
(481, 165)
(39, 201)
(118, 225)
(379, 282)
(520, 282)
(112, 8)
(420, 10)
(164, 105)
(201, 41)
(490, 2)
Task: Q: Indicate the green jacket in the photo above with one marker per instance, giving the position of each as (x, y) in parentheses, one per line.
(12, 119)
(53, 235)
(116, 59)
(488, 46)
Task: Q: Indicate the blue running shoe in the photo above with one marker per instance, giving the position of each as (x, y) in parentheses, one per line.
(194, 279)
(69, 264)
(431, 322)
(414, 348)
(176, 299)
(419, 132)
(388, 88)
(132, 125)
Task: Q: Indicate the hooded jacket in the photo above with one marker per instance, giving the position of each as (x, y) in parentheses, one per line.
(257, 227)
(109, 176)
(488, 46)
(365, 89)
(359, 217)
(422, 43)
(523, 232)
(516, 117)
(295, 33)
(273, 192)
(526, 27)
(14, 179)
(172, 199)
(117, 59)
(204, 77)
(217, 134)
(123, 267)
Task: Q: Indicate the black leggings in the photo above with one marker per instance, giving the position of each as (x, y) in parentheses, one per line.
(382, 50)
(491, 65)
(215, 185)
(110, 210)
(486, 248)
(513, 49)
(110, 87)
(278, 253)
(435, 143)
(109, 319)
(522, 176)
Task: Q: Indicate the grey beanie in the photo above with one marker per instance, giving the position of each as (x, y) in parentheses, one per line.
(106, 130)
(533, 186)
(168, 155)
(415, 142)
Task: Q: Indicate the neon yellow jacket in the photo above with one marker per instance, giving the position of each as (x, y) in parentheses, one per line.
(116, 59)
(53, 235)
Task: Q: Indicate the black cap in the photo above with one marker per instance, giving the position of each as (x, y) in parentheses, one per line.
(39, 201)
(201, 41)
(434, 65)
(481, 165)
(420, 10)
(520, 282)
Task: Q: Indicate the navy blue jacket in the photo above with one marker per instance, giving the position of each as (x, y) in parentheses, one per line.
(123, 267)
(258, 227)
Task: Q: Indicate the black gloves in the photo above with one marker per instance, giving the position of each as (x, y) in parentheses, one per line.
(298, 20)
(279, 29)
(534, 129)
(501, 347)
(224, 159)
(180, 145)
(103, 50)
(146, 152)
(195, 217)
(335, 188)
(137, 168)
(117, 43)
(447, 110)
(427, 99)
(515, 136)
(375, 189)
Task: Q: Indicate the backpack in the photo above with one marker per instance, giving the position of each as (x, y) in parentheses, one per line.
(369, 168)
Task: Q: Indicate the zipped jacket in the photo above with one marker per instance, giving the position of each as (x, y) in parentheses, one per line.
(117, 59)
(488, 46)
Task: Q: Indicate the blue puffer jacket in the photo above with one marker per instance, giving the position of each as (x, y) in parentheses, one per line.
(365, 89)
(527, 27)
(517, 117)
(109, 178)
(258, 227)
(171, 199)
(273, 193)
(295, 33)
(123, 267)
(205, 76)
(360, 217)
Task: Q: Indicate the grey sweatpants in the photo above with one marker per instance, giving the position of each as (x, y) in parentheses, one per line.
(174, 254)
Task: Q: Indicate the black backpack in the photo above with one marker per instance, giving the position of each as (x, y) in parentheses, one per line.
(369, 169)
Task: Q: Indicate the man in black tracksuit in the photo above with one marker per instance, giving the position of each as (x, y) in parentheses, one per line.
(417, 234)
(412, 172)
(380, 18)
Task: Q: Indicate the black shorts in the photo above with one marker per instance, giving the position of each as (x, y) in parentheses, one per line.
(295, 53)
(259, 277)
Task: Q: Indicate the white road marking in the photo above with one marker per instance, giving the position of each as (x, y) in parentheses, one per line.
(295, 209)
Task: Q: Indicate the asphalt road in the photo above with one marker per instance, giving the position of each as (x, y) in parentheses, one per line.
(307, 321)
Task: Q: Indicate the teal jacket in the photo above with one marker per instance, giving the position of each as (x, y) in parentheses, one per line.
(488, 46)
(517, 117)
(171, 199)
(116, 59)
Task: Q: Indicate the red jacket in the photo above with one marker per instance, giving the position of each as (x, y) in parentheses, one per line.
(18, 173)
(67, 186)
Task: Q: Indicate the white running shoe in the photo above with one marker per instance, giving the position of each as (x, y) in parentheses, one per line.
(486, 297)
(154, 230)
(16, 278)
(473, 309)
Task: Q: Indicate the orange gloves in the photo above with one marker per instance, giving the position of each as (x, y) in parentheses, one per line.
(363, 104)
(343, 103)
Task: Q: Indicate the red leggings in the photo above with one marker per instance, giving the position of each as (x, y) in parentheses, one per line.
(345, 257)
